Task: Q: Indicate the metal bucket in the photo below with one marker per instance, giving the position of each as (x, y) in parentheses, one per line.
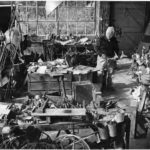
(103, 132)
(112, 129)
(119, 117)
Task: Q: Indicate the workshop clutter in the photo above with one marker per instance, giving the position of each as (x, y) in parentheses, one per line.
(40, 110)
(44, 76)
(24, 113)
(41, 67)
(140, 70)
(60, 97)
(76, 51)
(140, 65)
(58, 66)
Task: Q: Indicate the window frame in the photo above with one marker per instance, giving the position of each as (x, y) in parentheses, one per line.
(58, 22)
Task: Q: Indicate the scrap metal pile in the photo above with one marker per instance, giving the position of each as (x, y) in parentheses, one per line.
(21, 125)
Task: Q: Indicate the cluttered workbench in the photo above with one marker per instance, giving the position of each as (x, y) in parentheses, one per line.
(110, 124)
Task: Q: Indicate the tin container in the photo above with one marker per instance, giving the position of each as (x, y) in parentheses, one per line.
(112, 129)
(103, 132)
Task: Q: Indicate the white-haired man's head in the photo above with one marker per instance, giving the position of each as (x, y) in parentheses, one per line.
(110, 32)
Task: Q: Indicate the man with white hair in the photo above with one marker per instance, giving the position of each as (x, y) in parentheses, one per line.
(107, 49)
(108, 44)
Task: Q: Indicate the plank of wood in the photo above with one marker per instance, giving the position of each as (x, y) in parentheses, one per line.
(142, 102)
(48, 86)
(35, 77)
(41, 92)
(62, 112)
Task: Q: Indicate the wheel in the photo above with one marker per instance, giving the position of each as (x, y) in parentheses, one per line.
(70, 141)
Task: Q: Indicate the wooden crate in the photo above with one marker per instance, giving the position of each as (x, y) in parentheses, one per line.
(41, 83)
(83, 91)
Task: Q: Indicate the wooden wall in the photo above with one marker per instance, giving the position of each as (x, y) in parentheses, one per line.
(4, 18)
(130, 18)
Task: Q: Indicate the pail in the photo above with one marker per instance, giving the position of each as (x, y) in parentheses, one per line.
(103, 132)
(112, 129)
(119, 117)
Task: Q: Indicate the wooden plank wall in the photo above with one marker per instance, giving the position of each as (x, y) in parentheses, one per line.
(130, 17)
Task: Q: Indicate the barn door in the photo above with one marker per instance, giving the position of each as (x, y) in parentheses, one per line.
(129, 19)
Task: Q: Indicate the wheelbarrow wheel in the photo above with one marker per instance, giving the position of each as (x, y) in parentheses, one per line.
(70, 141)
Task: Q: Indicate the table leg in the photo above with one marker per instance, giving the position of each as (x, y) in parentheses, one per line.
(62, 87)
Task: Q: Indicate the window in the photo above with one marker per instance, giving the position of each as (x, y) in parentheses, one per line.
(75, 17)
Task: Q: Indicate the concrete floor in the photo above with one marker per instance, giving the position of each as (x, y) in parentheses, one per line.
(122, 84)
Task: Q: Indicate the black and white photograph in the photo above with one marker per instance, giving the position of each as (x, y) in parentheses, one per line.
(74, 74)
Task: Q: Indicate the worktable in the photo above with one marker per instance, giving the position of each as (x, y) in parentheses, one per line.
(50, 82)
